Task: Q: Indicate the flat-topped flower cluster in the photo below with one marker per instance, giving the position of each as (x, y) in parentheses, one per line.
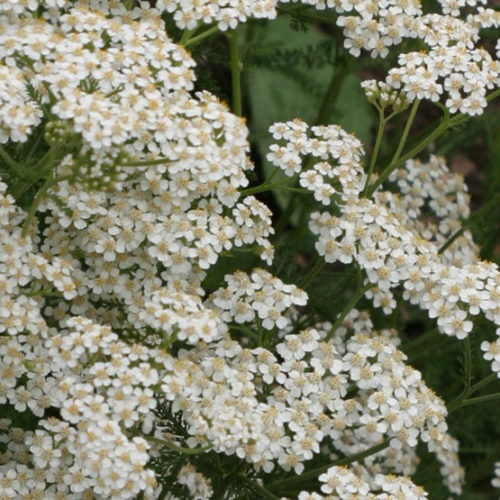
(451, 64)
(389, 237)
(140, 177)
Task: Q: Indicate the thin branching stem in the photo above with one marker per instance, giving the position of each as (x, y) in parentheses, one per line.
(186, 36)
(146, 163)
(266, 186)
(445, 124)
(178, 449)
(406, 131)
(9, 161)
(347, 309)
(313, 474)
(318, 266)
(378, 141)
(473, 401)
(442, 127)
(235, 71)
(40, 196)
(482, 383)
(452, 239)
(464, 400)
(201, 36)
(263, 492)
(485, 208)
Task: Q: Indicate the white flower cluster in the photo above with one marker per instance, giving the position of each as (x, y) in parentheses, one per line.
(376, 26)
(108, 79)
(132, 256)
(184, 315)
(28, 7)
(198, 485)
(227, 15)
(434, 202)
(335, 168)
(496, 480)
(453, 7)
(95, 285)
(260, 295)
(492, 353)
(452, 66)
(341, 482)
(147, 244)
(87, 449)
(245, 402)
(175, 216)
(353, 389)
(389, 239)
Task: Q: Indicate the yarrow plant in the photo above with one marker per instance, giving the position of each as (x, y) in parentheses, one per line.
(191, 308)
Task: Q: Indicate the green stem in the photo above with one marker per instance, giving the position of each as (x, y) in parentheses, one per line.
(486, 207)
(42, 170)
(263, 492)
(467, 364)
(331, 95)
(461, 400)
(457, 403)
(406, 131)
(260, 337)
(34, 147)
(19, 188)
(235, 72)
(201, 36)
(313, 474)
(442, 127)
(186, 36)
(347, 309)
(320, 263)
(378, 141)
(10, 162)
(179, 449)
(47, 161)
(446, 122)
(38, 199)
(479, 385)
(40, 293)
(267, 187)
(451, 239)
(167, 341)
(295, 189)
(273, 174)
(146, 163)
(410, 346)
(493, 95)
(26, 176)
(474, 401)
